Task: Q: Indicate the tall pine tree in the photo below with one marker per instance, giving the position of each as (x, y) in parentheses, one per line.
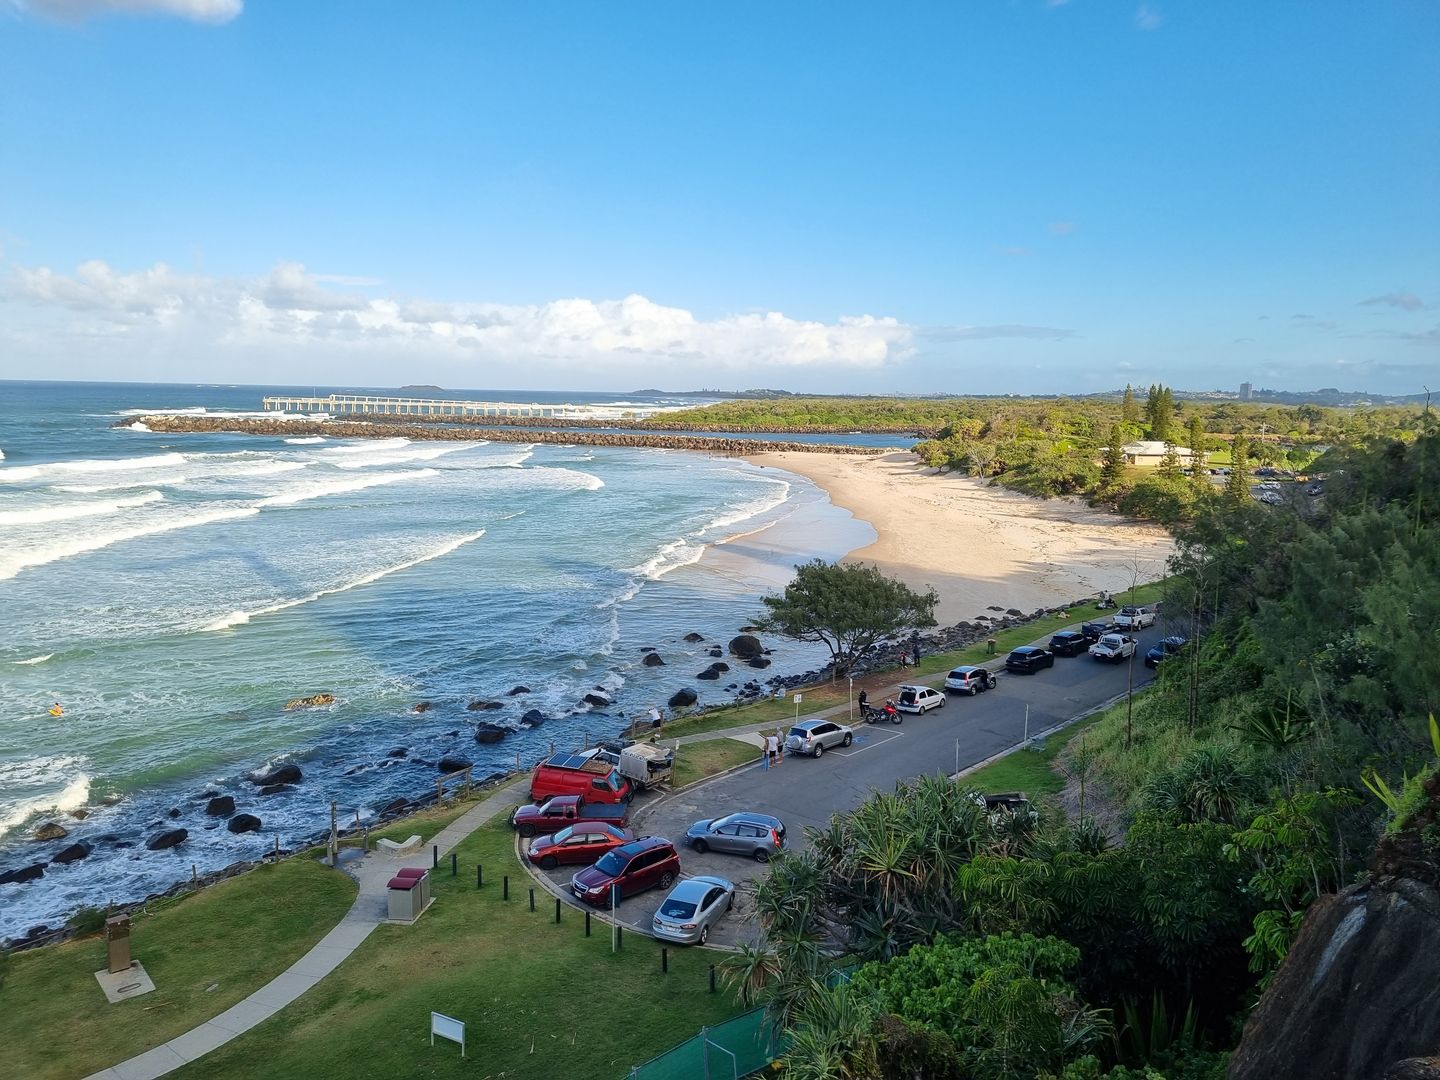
(1170, 463)
(1199, 474)
(1237, 484)
(1129, 410)
(1113, 464)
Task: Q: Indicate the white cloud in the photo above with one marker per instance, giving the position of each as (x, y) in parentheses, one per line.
(207, 11)
(1147, 18)
(1406, 301)
(289, 312)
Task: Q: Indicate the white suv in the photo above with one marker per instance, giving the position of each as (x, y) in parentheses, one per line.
(919, 699)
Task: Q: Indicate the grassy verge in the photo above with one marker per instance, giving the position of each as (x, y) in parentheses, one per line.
(234, 937)
(695, 761)
(1030, 771)
(772, 711)
(519, 982)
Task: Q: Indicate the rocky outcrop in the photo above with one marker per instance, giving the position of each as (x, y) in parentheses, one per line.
(243, 823)
(533, 717)
(683, 698)
(652, 659)
(759, 661)
(220, 806)
(314, 701)
(481, 705)
(488, 734)
(514, 691)
(167, 838)
(1359, 989)
(51, 831)
(284, 774)
(746, 646)
(276, 789)
(598, 700)
(693, 637)
(422, 706)
(710, 674)
(1415, 1068)
(450, 765)
(397, 752)
(23, 874)
(73, 853)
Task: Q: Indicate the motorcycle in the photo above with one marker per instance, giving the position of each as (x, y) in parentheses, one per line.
(872, 715)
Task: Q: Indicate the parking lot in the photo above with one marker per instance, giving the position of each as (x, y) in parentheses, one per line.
(805, 791)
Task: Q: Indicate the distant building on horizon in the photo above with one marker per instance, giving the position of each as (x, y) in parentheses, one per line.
(1246, 389)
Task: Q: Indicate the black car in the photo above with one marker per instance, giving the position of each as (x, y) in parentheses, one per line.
(1094, 631)
(1029, 658)
(1163, 650)
(1069, 643)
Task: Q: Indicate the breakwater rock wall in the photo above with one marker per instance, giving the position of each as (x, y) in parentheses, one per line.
(672, 422)
(369, 429)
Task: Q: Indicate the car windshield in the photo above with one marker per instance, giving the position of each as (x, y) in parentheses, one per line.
(677, 909)
(800, 732)
(610, 864)
(564, 834)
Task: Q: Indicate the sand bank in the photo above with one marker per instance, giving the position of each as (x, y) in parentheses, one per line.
(979, 545)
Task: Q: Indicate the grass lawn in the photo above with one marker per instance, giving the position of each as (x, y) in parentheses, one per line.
(772, 712)
(1029, 771)
(538, 1000)
(236, 935)
(695, 761)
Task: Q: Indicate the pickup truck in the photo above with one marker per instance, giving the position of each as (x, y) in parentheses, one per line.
(1135, 618)
(1113, 647)
(562, 810)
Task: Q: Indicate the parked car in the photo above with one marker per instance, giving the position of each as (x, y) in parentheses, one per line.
(1135, 618)
(563, 810)
(814, 737)
(1029, 658)
(1069, 643)
(919, 699)
(1094, 631)
(692, 909)
(970, 680)
(1113, 647)
(579, 774)
(581, 843)
(1162, 650)
(756, 835)
(648, 863)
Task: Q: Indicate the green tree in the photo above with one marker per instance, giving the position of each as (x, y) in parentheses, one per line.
(1113, 464)
(1129, 410)
(848, 608)
(1237, 484)
(1170, 468)
(1199, 474)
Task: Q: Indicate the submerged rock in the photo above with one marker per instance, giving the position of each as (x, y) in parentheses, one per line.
(694, 637)
(73, 853)
(600, 701)
(490, 733)
(167, 838)
(285, 774)
(314, 701)
(515, 690)
(453, 764)
(397, 752)
(681, 698)
(533, 717)
(220, 806)
(746, 646)
(422, 706)
(652, 659)
(23, 874)
(481, 705)
(51, 831)
(243, 823)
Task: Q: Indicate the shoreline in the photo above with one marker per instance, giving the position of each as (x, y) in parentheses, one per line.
(979, 546)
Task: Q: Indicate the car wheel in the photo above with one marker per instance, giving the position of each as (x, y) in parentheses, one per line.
(527, 831)
(700, 847)
(761, 855)
(819, 749)
(549, 862)
(667, 879)
(847, 740)
(940, 704)
(704, 934)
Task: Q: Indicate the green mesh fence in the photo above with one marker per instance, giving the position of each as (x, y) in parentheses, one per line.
(738, 1047)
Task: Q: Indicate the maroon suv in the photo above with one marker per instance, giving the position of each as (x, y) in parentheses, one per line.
(641, 864)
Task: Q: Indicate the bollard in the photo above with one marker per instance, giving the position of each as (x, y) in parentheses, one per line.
(505, 887)
(712, 978)
(479, 875)
(619, 936)
(587, 924)
(557, 911)
(453, 864)
(435, 856)
(664, 960)
(532, 899)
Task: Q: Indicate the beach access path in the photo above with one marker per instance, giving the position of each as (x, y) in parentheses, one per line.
(371, 908)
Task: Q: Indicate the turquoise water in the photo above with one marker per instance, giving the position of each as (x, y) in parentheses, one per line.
(172, 593)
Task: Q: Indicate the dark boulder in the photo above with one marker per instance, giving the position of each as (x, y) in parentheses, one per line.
(600, 701)
(1014, 611)
(746, 646)
(748, 629)
(682, 698)
(647, 648)
(174, 813)
(652, 659)
(533, 717)
(73, 853)
(275, 789)
(394, 806)
(717, 651)
(285, 774)
(167, 838)
(1415, 1068)
(515, 690)
(220, 806)
(422, 706)
(694, 637)
(490, 733)
(399, 751)
(50, 830)
(720, 667)
(758, 662)
(243, 823)
(709, 675)
(453, 764)
(481, 705)
(23, 874)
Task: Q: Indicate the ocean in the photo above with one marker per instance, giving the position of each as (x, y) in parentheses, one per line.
(172, 593)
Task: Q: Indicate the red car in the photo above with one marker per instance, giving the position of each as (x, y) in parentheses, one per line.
(581, 843)
(647, 863)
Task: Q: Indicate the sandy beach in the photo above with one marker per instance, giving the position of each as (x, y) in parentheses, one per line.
(978, 545)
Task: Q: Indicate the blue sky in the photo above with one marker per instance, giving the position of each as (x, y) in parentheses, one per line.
(986, 196)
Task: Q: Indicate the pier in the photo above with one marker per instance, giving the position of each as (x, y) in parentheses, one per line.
(370, 405)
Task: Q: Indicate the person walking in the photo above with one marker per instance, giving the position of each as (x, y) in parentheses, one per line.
(772, 749)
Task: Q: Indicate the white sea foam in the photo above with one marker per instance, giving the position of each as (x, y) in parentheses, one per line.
(15, 558)
(240, 618)
(563, 479)
(746, 511)
(670, 557)
(367, 445)
(123, 485)
(400, 455)
(98, 465)
(137, 426)
(65, 786)
(35, 660)
(70, 511)
(325, 488)
(309, 440)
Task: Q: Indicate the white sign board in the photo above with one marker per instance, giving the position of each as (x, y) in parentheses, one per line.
(797, 699)
(447, 1027)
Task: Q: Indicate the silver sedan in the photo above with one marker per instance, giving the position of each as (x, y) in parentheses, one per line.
(692, 908)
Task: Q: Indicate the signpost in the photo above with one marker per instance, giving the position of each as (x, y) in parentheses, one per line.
(797, 707)
(447, 1027)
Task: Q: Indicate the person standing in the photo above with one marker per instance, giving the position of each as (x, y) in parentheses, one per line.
(772, 749)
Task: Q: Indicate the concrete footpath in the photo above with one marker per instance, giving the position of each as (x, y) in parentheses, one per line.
(371, 908)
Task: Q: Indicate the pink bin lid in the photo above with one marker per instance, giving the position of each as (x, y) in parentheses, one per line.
(412, 871)
(405, 883)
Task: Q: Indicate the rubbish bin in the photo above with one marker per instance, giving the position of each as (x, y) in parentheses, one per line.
(420, 874)
(405, 895)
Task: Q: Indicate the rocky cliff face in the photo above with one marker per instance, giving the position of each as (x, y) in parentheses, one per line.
(1358, 996)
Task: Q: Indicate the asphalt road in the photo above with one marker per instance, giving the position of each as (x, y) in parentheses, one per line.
(805, 792)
